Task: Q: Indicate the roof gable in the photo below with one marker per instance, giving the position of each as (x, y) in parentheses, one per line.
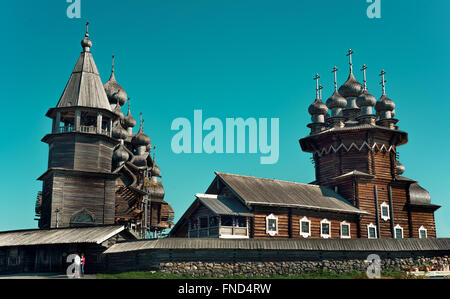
(221, 205)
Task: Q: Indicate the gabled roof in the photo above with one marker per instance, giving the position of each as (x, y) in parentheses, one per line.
(94, 234)
(260, 191)
(85, 87)
(220, 205)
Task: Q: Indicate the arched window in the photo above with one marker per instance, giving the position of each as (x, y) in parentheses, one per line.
(81, 218)
(272, 225)
(305, 227)
(422, 232)
(385, 215)
(325, 229)
(345, 230)
(371, 231)
(398, 232)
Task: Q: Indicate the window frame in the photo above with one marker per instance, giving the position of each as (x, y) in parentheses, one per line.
(385, 218)
(349, 230)
(395, 231)
(369, 226)
(303, 234)
(423, 229)
(322, 235)
(271, 232)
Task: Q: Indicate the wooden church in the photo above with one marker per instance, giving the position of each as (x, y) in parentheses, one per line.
(359, 191)
(99, 171)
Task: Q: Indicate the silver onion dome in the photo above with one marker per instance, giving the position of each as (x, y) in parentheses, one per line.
(86, 43)
(118, 132)
(384, 104)
(318, 108)
(120, 154)
(115, 93)
(129, 121)
(336, 101)
(140, 139)
(366, 99)
(399, 168)
(119, 113)
(351, 87)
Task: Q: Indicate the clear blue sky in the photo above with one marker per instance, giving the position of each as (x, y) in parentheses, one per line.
(246, 58)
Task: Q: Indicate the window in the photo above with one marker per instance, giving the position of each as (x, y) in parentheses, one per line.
(241, 221)
(325, 228)
(398, 232)
(272, 225)
(203, 222)
(82, 217)
(371, 231)
(385, 211)
(227, 220)
(422, 232)
(345, 230)
(305, 227)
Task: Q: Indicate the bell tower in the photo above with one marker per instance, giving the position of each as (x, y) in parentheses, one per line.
(355, 153)
(78, 186)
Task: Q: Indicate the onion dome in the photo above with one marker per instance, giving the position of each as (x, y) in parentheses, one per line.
(366, 99)
(351, 87)
(336, 101)
(86, 43)
(140, 139)
(156, 171)
(118, 132)
(120, 154)
(115, 93)
(384, 104)
(399, 168)
(318, 108)
(119, 113)
(129, 121)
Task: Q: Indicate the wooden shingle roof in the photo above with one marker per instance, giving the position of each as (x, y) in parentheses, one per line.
(220, 205)
(269, 192)
(85, 87)
(94, 234)
(371, 245)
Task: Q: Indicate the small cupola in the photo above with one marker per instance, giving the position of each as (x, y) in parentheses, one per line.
(384, 106)
(115, 93)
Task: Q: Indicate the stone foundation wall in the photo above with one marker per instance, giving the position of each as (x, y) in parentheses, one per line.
(224, 269)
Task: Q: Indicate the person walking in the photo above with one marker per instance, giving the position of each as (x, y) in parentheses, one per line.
(82, 263)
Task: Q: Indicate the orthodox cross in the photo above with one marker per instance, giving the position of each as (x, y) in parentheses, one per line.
(364, 68)
(349, 54)
(316, 78)
(335, 69)
(87, 28)
(383, 81)
(320, 91)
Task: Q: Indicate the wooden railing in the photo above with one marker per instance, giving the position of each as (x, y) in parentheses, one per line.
(83, 129)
